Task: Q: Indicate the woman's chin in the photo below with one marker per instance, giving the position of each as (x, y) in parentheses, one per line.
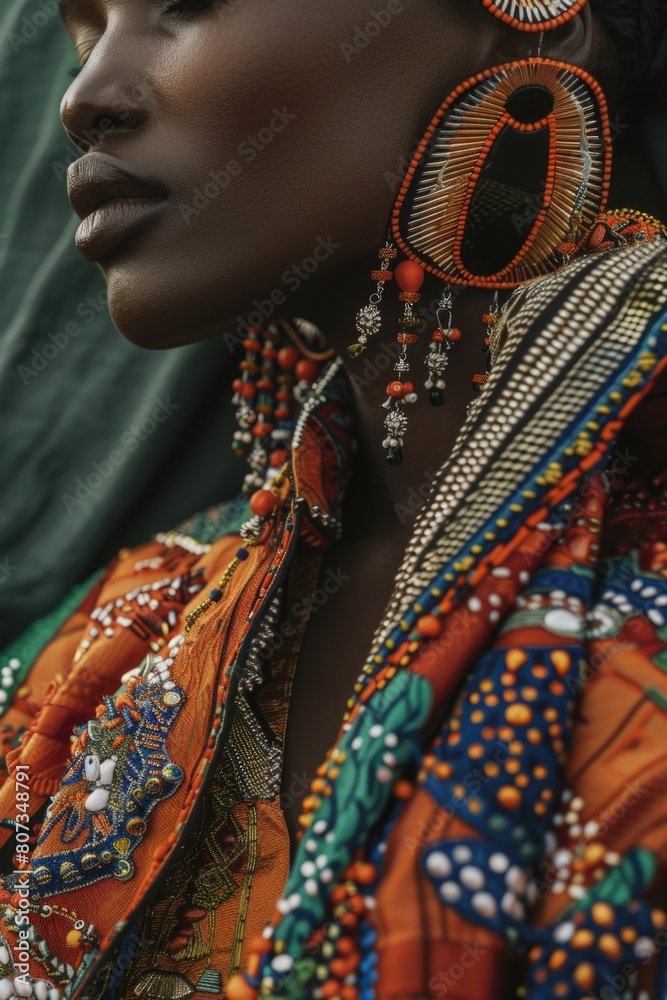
(157, 318)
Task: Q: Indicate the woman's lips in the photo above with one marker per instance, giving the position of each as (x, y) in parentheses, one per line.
(112, 223)
(112, 203)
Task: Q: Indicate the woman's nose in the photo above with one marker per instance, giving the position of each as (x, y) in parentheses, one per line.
(106, 99)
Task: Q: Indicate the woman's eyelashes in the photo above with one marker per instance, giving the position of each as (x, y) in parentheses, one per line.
(183, 8)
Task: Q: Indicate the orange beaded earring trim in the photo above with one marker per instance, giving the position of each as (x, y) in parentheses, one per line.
(535, 15)
(516, 162)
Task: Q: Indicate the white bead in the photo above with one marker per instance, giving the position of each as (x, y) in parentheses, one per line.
(472, 877)
(282, 963)
(450, 892)
(484, 903)
(562, 859)
(516, 879)
(644, 947)
(438, 864)
(462, 854)
(499, 863)
(97, 800)
(14, 663)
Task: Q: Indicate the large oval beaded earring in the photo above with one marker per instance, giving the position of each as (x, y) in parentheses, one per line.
(515, 163)
(512, 170)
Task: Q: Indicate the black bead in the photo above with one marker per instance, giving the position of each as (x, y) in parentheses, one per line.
(436, 397)
(395, 456)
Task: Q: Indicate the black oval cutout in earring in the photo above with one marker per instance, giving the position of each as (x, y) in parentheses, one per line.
(530, 104)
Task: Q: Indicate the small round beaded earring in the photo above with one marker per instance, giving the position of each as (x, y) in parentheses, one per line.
(535, 15)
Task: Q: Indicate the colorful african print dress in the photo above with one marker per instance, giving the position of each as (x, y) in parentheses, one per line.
(491, 821)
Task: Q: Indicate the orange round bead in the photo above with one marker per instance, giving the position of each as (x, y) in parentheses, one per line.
(509, 797)
(238, 988)
(339, 894)
(365, 873)
(263, 503)
(357, 904)
(409, 276)
(259, 945)
(346, 946)
(288, 357)
(307, 370)
(395, 389)
(519, 715)
(603, 914)
(429, 626)
(403, 790)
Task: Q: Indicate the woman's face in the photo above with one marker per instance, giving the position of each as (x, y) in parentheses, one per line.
(237, 146)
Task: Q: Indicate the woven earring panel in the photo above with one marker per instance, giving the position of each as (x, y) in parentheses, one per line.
(534, 15)
(514, 163)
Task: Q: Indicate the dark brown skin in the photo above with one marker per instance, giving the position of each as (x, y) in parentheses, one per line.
(173, 96)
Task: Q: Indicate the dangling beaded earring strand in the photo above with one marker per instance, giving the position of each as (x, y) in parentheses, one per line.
(369, 319)
(441, 343)
(272, 378)
(491, 339)
(255, 398)
(409, 278)
(489, 349)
